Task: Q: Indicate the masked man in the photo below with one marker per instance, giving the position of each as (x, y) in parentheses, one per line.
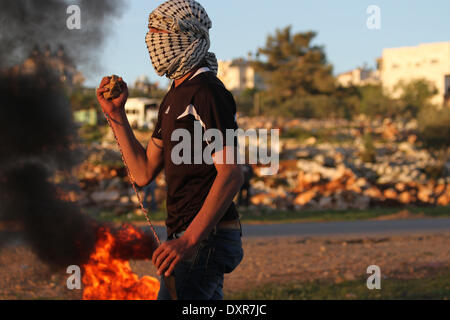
(203, 227)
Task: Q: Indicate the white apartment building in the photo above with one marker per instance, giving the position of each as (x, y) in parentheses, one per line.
(430, 61)
(142, 112)
(359, 77)
(238, 75)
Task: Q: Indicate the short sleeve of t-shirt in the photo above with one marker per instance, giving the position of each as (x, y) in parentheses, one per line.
(157, 133)
(217, 110)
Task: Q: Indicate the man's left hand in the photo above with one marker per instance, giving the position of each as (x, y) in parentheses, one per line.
(170, 253)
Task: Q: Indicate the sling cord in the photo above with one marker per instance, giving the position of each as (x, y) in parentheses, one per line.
(130, 176)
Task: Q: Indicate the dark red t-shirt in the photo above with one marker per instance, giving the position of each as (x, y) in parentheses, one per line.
(205, 99)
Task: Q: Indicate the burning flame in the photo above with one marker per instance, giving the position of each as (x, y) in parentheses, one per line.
(107, 276)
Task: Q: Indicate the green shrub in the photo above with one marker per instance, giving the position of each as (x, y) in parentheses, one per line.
(415, 96)
(91, 134)
(297, 133)
(369, 155)
(374, 103)
(434, 128)
(245, 101)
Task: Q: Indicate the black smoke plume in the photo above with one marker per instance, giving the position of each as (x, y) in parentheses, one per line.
(26, 24)
(38, 138)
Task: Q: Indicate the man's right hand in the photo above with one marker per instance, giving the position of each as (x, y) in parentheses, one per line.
(115, 105)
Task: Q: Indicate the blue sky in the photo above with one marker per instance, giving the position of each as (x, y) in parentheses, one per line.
(241, 26)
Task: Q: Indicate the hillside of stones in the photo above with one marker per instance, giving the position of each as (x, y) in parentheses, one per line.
(322, 166)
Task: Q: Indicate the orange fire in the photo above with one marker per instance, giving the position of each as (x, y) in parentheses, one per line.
(107, 276)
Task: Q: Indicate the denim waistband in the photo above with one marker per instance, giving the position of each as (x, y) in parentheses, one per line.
(215, 231)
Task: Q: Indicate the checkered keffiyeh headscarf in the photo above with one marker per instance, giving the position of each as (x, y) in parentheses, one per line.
(176, 53)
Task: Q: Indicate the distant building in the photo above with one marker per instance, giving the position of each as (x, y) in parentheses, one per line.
(238, 75)
(144, 85)
(58, 61)
(359, 77)
(142, 112)
(86, 117)
(430, 61)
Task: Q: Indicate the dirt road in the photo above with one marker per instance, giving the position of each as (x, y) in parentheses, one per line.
(267, 260)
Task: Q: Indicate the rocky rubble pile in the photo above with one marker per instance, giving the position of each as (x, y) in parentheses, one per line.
(314, 186)
(314, 173)
(330, 177)
(323, 175)
(104, 183)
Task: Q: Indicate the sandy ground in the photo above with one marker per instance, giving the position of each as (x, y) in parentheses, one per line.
(267, 260)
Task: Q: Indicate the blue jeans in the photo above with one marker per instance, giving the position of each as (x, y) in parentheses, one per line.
(201, 276)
